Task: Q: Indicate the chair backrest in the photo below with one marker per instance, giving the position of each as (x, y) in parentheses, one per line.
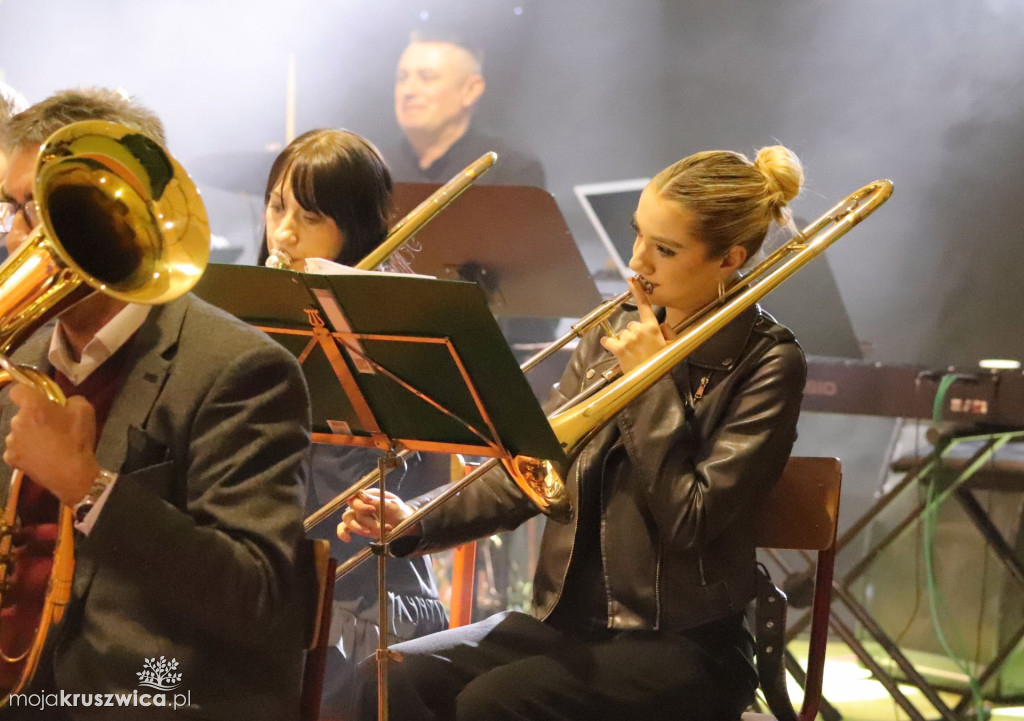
(316, 555)
(801, 512)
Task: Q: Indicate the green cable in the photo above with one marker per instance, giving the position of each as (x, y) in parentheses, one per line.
(935, 597)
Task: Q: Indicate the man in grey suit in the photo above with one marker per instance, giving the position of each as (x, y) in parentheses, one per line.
(180, 450)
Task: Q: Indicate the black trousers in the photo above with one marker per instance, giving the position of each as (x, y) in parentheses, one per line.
(513, 666)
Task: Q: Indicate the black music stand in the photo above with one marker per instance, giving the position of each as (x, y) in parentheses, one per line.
(513, 241)
(393, 362)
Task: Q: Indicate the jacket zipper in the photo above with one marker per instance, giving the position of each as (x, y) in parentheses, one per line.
(657, 590)
(600, 542)
(700, 389)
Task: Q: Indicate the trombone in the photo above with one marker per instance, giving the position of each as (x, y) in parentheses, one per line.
(579, 419)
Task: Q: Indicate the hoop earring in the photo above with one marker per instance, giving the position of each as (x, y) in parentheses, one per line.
(721, 290)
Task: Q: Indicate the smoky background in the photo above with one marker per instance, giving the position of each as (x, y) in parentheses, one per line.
(925, 92)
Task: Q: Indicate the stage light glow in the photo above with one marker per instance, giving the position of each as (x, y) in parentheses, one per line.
(999, 364)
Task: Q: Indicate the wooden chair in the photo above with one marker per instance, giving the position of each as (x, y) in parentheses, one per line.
(801, 513)
(316, 555)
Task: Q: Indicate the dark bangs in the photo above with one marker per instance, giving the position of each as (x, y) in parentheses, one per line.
(341, 175)
(307, 177)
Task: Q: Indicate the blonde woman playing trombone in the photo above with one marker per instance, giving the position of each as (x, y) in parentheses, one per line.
(638, 603)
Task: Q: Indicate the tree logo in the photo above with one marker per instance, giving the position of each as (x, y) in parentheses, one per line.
(159, 674)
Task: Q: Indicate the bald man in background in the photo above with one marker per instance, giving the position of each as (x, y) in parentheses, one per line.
(438, 83)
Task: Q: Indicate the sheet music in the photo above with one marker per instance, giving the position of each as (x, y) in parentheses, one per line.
(322, 266)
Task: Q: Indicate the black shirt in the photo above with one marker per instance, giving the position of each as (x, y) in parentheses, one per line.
(514, 167)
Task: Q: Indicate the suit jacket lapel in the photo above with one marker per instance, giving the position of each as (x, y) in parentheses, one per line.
(154, 347)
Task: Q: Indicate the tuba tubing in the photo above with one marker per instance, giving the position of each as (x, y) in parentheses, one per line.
(120, 217)
(580, 418)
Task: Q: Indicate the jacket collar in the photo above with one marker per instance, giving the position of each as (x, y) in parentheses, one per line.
(724, 348)
(154, 347)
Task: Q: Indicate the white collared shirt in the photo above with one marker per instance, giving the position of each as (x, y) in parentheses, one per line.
(107, 341)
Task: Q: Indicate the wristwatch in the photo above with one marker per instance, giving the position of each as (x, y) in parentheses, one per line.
(99, 484)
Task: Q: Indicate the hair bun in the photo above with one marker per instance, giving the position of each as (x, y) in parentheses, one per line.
(783, 174)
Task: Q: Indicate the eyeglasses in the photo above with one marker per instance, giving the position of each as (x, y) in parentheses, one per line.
(9, 211)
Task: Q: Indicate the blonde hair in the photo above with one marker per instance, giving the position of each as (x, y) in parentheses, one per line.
(733, 199)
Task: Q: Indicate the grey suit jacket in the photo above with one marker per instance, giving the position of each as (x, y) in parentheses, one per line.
(193, 556)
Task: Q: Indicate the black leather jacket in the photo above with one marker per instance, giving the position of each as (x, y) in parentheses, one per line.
(682, 470)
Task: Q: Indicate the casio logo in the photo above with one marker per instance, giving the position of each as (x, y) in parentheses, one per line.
(821, 388)
(975, 406)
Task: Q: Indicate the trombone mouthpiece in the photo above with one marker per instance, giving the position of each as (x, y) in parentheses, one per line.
(647, 286)
(278, 259)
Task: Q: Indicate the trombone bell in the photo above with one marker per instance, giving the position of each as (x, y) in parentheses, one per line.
(542, 483)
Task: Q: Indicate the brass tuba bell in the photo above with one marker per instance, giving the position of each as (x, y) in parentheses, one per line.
(121, 217)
